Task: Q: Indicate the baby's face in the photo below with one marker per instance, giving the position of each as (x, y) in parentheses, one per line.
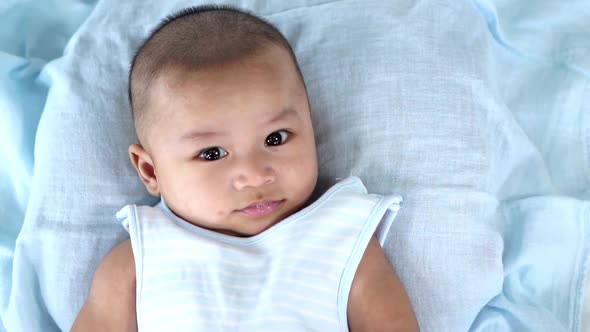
(233, 148)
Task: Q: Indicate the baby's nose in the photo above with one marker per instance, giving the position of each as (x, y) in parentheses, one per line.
(254, 173)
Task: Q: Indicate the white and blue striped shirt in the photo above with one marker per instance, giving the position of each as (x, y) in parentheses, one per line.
(295, 276)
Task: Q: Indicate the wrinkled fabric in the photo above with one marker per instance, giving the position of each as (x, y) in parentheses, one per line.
(475, 112)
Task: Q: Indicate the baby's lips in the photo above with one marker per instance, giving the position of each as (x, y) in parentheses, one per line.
(261, 208)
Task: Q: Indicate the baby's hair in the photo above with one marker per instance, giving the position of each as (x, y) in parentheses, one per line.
(196, 38)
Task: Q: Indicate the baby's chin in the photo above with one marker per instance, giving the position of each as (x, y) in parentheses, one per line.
(243, 233)
(237, 225)
(258, 229)
(252, 227)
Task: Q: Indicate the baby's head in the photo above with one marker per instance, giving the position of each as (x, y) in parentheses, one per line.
(221, 112)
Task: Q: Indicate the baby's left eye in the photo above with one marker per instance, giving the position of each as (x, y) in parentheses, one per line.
(277, 138)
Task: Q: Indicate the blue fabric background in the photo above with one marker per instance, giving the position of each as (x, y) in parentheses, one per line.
(32, 33)
(527, 202)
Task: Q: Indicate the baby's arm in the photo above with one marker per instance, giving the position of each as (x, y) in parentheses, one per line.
(111, 302)
(378, 300)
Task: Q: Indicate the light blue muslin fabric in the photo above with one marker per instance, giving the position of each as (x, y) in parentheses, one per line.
(542, 65)
(476, 112)
(31, 35)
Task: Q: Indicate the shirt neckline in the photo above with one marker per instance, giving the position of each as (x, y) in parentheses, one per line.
(230, 239)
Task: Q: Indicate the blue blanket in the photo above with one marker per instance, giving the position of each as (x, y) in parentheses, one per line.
(534, 230)
(32, 34)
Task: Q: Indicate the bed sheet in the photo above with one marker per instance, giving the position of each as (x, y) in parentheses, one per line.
(32, 34)
(538, 62)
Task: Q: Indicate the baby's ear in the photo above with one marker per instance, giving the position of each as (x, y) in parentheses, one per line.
(144, 166)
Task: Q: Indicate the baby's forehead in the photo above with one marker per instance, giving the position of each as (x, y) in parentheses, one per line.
(174, 80)
(178, 77)
(267, 77)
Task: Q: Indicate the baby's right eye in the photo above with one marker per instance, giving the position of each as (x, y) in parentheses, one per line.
(212, 154)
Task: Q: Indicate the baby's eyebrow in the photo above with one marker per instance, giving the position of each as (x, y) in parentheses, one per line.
(285, 113)
(195, 135)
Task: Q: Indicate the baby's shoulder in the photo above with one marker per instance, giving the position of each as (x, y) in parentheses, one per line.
(116, 272)
(110, 305)
(117, 267)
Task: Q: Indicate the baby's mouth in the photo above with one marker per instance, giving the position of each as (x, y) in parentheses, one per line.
(261, 208)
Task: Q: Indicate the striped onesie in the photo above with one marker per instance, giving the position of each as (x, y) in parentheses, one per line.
(295, 276)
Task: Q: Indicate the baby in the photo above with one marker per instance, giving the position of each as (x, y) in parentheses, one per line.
(226, 140)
